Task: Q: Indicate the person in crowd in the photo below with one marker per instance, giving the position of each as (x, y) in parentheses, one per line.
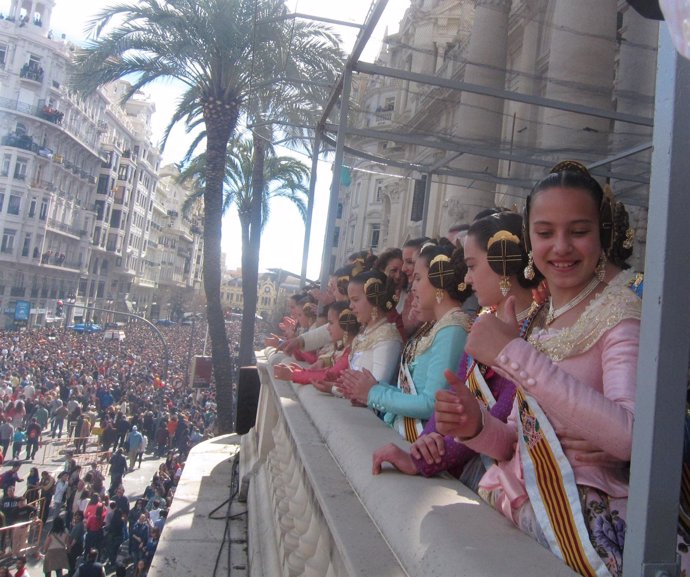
(33, 480)
(6, 435)
(377, 346)
(47, 487)
(575, 378)
(55, 549)
(10, 478)
(494, 251)
(118, 468)
(134, 441)
(439, 290)
(33, 438)
(138, 537)
(76, 542)
(343, 327)
(410, 252)
(91, 568)
(18, 440)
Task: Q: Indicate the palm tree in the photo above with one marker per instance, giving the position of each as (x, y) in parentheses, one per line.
(220, 50)
(283, 177)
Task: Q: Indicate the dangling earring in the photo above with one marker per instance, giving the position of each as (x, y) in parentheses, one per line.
(600, 271)
(344, 340)
(529, 269)
(504, 285)
(439, 295)
(374, 314)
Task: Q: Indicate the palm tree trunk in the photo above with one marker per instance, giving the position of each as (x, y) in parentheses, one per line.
(250, 257)
(218, 131)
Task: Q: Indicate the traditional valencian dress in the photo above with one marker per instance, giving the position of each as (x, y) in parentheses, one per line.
(377, 349)
(576, 382)
(433, 349)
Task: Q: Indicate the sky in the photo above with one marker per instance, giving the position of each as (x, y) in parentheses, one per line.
(283, 237)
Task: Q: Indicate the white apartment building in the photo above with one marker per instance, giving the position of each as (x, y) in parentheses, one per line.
(78, 182)
(480, 151)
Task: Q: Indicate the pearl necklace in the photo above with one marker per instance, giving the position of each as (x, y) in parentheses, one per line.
(553, 314)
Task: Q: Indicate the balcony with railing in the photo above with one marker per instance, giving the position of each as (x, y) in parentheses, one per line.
(32, 71)
(305, 470)
(62, 227)
(57, 259)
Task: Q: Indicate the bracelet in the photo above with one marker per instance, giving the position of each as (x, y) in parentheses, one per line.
(481, 428)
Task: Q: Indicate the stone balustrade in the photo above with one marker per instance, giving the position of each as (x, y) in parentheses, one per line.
(316, 509)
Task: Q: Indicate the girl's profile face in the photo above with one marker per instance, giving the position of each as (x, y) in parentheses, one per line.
(423, 290)
(480, 276)
(336, 333)
(359, 304)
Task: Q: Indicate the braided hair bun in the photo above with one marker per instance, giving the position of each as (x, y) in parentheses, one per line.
(378, 289)
(447, 269)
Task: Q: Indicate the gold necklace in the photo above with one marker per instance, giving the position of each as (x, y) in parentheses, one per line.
(553, 314)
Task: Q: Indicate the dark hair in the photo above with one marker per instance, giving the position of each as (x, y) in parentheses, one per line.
(346, 318)
(572, 174)
(378, 289)
(447, 269)
(343, 276)
(385, 257)
(484, 229)
(58, 525)
(487, 212)
(417, 243)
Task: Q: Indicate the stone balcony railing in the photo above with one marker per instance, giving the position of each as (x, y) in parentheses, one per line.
(316, 509)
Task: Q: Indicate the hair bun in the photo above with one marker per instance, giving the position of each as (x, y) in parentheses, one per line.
(570, 166)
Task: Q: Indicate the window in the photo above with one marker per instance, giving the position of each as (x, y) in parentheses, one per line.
(379, 189)
(6, 160)
(20, 168)
(32, 207)
(103, 182)
(44, 210)
(375, 235)
(339, 213)
(14, 204)
(3, 55)
(7, 245)
(27, 244)
(2, 200)
(336, 236)
(418, 200)
(351, 240)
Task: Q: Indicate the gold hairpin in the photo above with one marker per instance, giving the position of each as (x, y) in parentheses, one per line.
(370, 282)
(439, 258)
(503, 235)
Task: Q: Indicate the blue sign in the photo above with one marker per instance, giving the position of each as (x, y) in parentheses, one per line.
(22, 310)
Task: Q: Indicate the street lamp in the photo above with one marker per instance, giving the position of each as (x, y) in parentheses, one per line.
(71, 301)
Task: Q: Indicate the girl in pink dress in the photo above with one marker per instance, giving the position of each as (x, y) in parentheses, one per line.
(562, 458)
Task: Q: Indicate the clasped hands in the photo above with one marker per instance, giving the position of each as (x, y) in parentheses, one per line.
(355, 385)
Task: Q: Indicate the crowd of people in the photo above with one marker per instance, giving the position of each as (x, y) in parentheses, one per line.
(515, 338)
(107, 405)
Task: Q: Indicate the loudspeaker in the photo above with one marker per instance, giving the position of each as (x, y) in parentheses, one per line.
(248, 388)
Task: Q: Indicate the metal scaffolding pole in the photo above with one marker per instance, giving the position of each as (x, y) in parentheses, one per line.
(655, 474)
(310, 206)
(335, 183)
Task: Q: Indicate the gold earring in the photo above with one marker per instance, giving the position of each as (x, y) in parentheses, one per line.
(600, 271)
(504, 285)
(374, 314)
(439, 295)
(529, 269)
(462, 287)
(629, 239)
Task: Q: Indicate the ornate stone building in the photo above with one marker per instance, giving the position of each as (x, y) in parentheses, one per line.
(533, 93)
(78, 185)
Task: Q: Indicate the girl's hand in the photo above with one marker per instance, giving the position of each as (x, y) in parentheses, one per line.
(490, 334)
(429, 447)
(394, 455)
(282, 372)
(356, 385)
(457, 410)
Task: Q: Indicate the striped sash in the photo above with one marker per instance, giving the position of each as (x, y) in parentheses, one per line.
(408, 427)
(552, 491)
(475, 382)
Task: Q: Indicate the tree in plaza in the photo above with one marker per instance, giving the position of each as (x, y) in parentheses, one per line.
(220, 50)
(283, 177)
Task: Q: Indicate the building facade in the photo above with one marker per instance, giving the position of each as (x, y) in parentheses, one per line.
(78, 185)
(496, 147)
